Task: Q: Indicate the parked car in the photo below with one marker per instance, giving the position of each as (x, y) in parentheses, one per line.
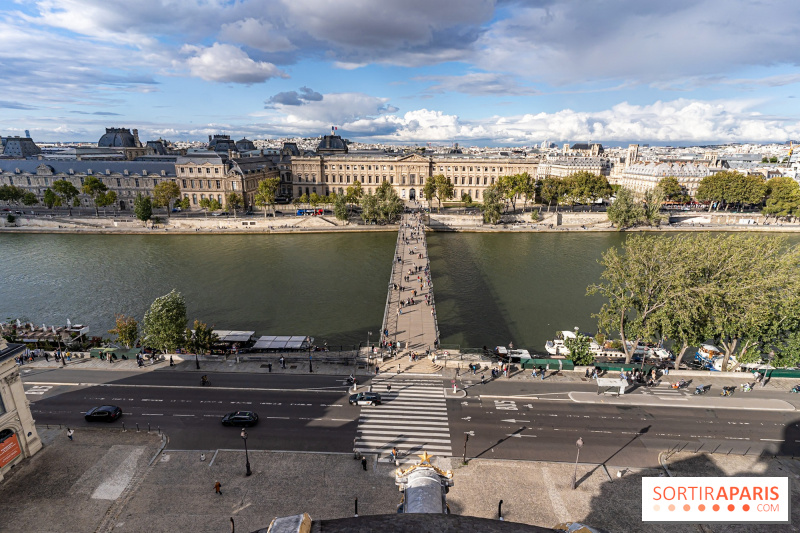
(176, 209)
(240, 418)
(104, 413)
(365, 398)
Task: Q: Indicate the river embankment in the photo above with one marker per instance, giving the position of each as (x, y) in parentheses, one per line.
(445, 222)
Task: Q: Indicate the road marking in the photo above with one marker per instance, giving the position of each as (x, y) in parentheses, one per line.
(152, 414)
(38, 390)
(514, 421)
(183, 415)
(772, 440)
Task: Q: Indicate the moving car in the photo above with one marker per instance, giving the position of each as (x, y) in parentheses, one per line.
(240, 418)
(104, 413)
(365, 398)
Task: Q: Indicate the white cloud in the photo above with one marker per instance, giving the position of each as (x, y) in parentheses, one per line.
(228, 63)
(571, 41)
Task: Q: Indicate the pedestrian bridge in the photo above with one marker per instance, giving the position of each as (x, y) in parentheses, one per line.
(410, 327)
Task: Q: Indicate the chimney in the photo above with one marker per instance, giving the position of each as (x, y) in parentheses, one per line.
(136, 140)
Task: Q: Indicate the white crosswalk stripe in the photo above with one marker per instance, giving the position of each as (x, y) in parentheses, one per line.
(411, 418)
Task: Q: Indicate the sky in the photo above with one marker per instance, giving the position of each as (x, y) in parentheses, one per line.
(476, 72)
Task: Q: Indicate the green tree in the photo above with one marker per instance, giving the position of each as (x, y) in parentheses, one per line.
(551, 190)
(126, 329)
(580, 350)
(164, 193)
(105, 199)
(143, 208)
(29, 198)
(184, 203)
(638, 281)
(51, 199)
(210, 204)
(783, 198)
(390, 206)
(585, 187)
(444, 188)
(235, 201)
(429, 190)
(267, 193)
(11, 193)
(369, 208)
(354, 193)
(672, 189)
(314, 200)
(653, 199)
(745, 190)
(165, 322)
(67, 192)
(788, 355)
(340, 209)
(202, 339)
(466, 199)
(625, 211)
(492, 205)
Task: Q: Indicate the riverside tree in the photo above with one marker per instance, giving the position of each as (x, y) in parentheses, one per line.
(143, 208)
(579, 349)
(202, 339)
(165, 323)
(739, 291)
(267, 193)
(783, 198)
(492, 205)
(126, 329)
(625, 211)
(51, 199)
(235, 201)
(340, 210)
(164, 193)
(67, 192)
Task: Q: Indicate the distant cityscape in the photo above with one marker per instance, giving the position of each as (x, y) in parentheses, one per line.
(327, 164)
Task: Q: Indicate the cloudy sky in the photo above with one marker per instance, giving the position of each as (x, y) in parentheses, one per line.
(478, 72)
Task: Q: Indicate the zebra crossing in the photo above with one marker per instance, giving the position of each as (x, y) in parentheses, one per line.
(411, 418)
(669, 394)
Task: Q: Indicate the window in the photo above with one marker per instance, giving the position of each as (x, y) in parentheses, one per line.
(217, 184)
(29, 180)
(184, 183)
(484, 180)
(183, 170)
(208, 171)
(191, 170)
(194, 199)
(137, 181)
(216, 170)
(219, 199)
(82, 181)
(192, 184)
(119, 182)
(470, 180)
(391, 180)
(202, 196)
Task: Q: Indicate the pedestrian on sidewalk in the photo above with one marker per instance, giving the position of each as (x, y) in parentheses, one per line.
(70, 433)
(364, 463)
(483, 379)
(218, 488)
(46, 357)
(171, 362)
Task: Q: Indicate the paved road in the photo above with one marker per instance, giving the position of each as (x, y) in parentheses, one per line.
(311, 413)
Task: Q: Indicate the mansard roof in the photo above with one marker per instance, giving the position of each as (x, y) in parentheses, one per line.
(68, 166)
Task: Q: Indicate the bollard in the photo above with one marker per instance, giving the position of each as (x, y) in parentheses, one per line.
(123, 427)
(356, 507)
(137, 427)
(500, 510)
(159, 431)
(148, 427)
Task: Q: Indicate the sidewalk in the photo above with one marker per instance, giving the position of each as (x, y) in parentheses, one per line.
(102, 481)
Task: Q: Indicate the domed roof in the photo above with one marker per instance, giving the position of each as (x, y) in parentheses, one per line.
(245, 145)
(332, 144)
(118, 138)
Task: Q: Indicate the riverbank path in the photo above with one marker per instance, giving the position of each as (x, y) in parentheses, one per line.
(409, 321)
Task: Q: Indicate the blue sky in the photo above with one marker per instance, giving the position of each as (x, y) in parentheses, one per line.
(477, 72)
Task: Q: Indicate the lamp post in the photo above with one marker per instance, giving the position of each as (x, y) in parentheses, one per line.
(579, 445)
(246, 456)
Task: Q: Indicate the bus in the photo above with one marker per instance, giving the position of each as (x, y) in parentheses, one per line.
(309, 212)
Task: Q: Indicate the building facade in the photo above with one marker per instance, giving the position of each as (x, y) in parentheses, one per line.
(18, 436)
(126, 178)
(326, 173)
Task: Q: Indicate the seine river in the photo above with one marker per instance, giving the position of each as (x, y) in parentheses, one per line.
(490, 288)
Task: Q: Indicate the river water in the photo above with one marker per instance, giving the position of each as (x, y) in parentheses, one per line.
(490, 288)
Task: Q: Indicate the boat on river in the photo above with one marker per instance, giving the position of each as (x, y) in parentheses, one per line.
(710, 358)
(557, 346)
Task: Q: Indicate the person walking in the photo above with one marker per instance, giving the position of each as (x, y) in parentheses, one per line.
(70, 433)
(218, 488)
(364, 463)
(171, 362)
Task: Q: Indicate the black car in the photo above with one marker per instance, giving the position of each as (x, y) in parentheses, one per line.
(104, 413)
(365, 398)
(240, 418)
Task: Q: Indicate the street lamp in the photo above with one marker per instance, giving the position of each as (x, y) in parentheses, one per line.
(579, 445)
(246, 456)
